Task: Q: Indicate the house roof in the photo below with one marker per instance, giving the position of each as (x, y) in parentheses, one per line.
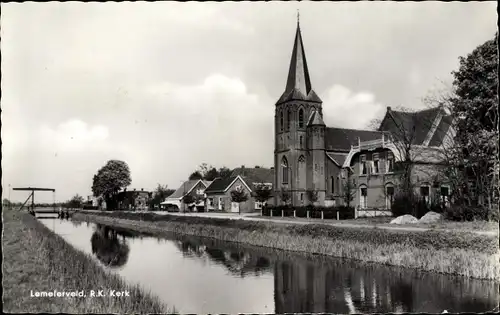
(441, 131)
(255, 175)
(340, 139)
(220, 185)
(337, 158)
(401, 124)
(185, 188)
(298, 84)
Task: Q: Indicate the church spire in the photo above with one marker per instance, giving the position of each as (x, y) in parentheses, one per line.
(298, 85)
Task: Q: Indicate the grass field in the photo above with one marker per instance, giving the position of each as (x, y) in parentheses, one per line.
(36, 259)
(450, 252)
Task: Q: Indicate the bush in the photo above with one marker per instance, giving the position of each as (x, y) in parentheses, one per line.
(408, 204)
(470, 213)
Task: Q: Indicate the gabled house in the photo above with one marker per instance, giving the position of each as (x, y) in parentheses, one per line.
(255, 177)
(218, 195)
(195, 188)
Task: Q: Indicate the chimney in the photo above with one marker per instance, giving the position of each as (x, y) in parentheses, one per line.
(389, 108)
(134, 189)
(142, 189)
(243, 166)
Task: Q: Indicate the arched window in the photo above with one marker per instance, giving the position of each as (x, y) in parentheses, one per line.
(288, 118)
(301, 118)
(281, 120)
(284, 168)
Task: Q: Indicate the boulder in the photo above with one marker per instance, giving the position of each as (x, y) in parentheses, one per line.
(430, 217)
(405, 219)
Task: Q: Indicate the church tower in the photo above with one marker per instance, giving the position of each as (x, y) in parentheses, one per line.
(294, 154)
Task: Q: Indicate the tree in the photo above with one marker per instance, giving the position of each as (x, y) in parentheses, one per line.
(75, 202)
(348, 192)
(188, 199)
(6, 203)
(211, 174)
(224, 172)
(262, 193)
(474, 104)
(195, 175)
(159, 195)
(239, 196)
(109, 180)
(312, 196)
(285, 196)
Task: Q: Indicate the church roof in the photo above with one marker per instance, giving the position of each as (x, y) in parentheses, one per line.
(340, 139)
(298, 84)
(338, 158)
(441, 131)
(315, 119)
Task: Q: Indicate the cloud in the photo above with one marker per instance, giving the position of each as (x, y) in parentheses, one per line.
(346, 109)
(74, 136)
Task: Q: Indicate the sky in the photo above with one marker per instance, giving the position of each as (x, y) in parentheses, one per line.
(166, 86)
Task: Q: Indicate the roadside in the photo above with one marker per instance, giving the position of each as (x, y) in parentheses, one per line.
(36, 260)
(481, 228)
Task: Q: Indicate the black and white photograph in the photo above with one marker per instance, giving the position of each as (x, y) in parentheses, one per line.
(169, 157)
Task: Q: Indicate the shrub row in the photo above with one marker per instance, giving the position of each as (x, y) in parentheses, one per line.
(417, 207)
(314, 212)
(471, 213)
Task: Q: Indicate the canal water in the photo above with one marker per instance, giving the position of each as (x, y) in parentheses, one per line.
(199, 275)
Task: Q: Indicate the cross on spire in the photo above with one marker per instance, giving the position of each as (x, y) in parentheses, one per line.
(298, 16)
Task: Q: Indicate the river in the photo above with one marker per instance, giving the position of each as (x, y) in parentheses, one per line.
(199, 275)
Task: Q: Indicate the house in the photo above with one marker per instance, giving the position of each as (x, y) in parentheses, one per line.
(309, 156)
(133, 199)
(195, 188)
(255, 177)
(218, 195)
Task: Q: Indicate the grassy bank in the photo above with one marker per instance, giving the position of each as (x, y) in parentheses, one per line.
(36, 260)
(458, 253)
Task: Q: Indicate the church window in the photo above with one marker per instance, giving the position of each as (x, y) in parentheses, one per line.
(333, 184)
(281, 120)
(284, 168)
(445, 195)
(288, 118)
(300, 141)
(301, 118)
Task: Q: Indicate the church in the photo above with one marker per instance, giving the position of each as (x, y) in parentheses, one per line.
(347, 165)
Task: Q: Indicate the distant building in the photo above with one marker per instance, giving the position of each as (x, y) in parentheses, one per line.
(133, 199)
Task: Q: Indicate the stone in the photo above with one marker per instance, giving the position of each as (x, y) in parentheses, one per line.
(405, 219)
(431, 217)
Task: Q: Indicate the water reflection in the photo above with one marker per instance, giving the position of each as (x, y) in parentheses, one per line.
(301, 283)
(108, 247)
(236, 261)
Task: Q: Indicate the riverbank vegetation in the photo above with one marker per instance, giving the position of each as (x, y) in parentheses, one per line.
(36, 259)
(451, 252)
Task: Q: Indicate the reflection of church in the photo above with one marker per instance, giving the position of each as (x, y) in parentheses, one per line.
(311, 287)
